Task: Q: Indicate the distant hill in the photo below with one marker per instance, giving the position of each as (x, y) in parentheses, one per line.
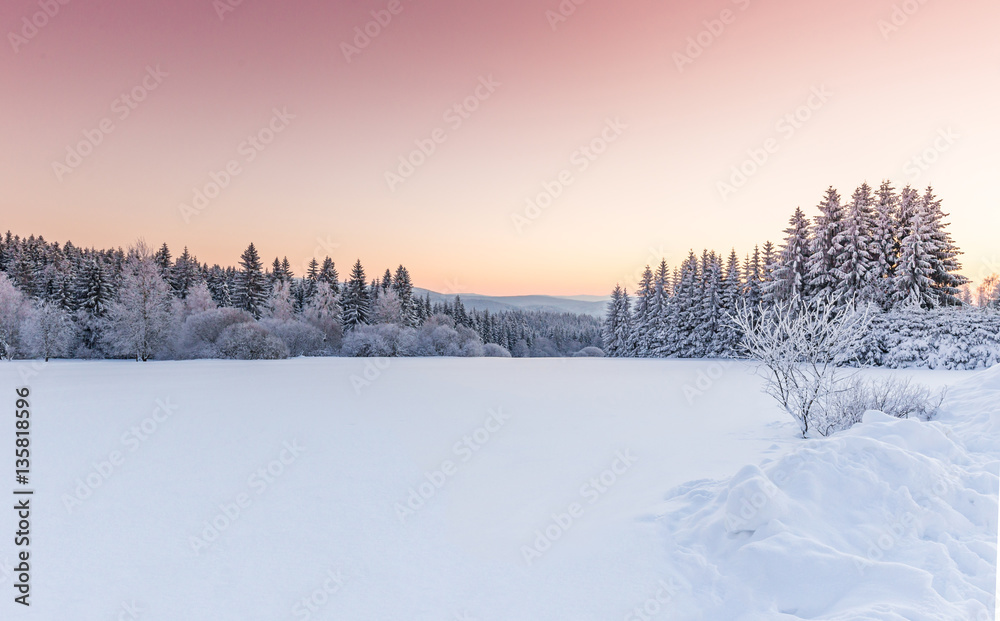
(581, 304)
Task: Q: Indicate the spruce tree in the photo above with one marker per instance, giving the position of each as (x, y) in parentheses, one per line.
(790, 273)
(944, 255)
(644, 316)
(853, 266)
(913, 283)
(356, 302)
(884, 247)
(617, 327)
(328, 274)
(661, 326)
(251, 285)
(403, 287)
(162, 258)
(184, 274)
(822, 279)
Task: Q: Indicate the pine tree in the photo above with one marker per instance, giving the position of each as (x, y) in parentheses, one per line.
(884, 248)
(184, 274)
(356, 302)
(753, 274)
(687, 300)
(913, 285)
(403, 287)
(853, 266)
(644, 316)
(822, 279)
(251, 285)
(944, 255)
(662, 343)
(790, 273)
(617, 329)
(328, 274)
(162, 260)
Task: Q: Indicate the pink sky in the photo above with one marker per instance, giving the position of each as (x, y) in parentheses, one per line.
(319, 187)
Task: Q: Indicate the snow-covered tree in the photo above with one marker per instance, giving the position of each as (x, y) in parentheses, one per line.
(48, 331)
(853, 267)
(913, 284)
(617, 330)
(328, 274)
(944, 255)
(388, 308)
(198, 300)
(403, 287)
(251, 284)
(279, 303)
(791, 273)
(139, 318)
(822, 276)
(644, 315)
(356, 301)
(884, 246)
(323, 311)
(800, 346)
(662, 342)
(184, 274)
(13, 312)
(162, 259)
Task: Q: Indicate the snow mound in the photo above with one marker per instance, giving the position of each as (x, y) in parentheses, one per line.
(892, 519)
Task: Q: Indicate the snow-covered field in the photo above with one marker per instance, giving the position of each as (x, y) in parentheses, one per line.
(488, 489)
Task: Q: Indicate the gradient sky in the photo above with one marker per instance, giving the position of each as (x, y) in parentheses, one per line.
(320, 188)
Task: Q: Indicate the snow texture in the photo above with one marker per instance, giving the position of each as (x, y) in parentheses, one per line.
(893, 519)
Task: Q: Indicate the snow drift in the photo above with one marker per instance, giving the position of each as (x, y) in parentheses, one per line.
(892, 519)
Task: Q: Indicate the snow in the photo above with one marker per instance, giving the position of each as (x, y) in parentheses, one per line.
(554, 508)
(892, 519)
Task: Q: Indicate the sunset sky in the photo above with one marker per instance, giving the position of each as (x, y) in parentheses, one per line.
(887, 82)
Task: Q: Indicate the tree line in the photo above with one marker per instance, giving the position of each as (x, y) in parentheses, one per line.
(883, 248)
(66, 301)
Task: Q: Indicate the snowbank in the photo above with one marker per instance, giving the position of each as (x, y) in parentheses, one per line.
(892, 519)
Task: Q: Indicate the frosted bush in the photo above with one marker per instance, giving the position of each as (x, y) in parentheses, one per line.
(200, 332)
(250, 341)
